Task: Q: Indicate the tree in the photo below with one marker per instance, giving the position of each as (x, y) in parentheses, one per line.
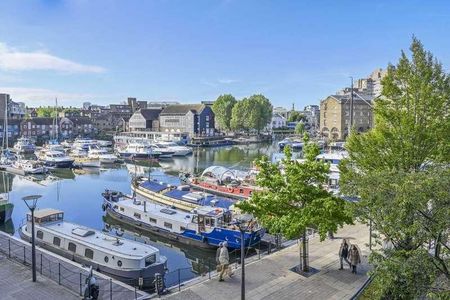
(47, 112)
(300, 128)
(295, 199)
(252, 113)
(222, 108)
(296, 116)
(399, 169)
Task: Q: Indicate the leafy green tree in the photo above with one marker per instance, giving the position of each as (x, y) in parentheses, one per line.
(292, 201)
(399, 169)
(296, 116)
(222, 108)
(260, 112)
(239, 114)
(300, 128)
(45, 111)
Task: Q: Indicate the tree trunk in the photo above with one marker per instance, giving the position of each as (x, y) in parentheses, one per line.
(303, 253)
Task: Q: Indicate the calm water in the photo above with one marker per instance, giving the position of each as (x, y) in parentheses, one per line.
(79, 197)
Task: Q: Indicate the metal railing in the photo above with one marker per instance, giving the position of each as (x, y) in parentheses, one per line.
(64, 273)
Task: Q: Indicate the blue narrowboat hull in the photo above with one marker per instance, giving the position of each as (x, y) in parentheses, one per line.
(191, 237)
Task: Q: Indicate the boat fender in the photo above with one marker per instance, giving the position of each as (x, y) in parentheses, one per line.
(230, 189)
(104, 207)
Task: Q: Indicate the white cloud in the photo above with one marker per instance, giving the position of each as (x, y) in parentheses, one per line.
(39, 96)
(15, 60)
(217, 82)
(226, 81)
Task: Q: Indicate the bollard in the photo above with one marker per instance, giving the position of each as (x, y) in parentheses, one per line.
(41, 263)
(59, 273)
(110, 289)
(135, 293)
(24, 258)
(81, 286)
(179, 281)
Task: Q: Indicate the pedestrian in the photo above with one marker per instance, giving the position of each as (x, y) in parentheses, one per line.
(218, 266)
(343, 254)
(355, 257)
(224, 260)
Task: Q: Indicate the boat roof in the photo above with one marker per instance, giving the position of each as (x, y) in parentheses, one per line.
(200, 198)
(41, 213)
(219, 172)
(154, 186)
(98, 239)
(333, 155)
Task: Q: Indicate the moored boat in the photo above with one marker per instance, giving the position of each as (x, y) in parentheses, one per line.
(204, 227)
(56, 159)
(102, 155)
(30, 166)
(24, 145)
(222, 181)
(119, 258)
(138, 151)
(180, 197)
(6, 209)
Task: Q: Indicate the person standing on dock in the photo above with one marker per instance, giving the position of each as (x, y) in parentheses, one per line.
(343, 254)
(224, 260)
(354, 257)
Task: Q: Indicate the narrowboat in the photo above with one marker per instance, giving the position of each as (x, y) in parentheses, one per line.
(204, 227)
(125, 260)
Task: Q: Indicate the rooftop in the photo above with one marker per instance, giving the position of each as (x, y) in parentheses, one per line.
(182, 109)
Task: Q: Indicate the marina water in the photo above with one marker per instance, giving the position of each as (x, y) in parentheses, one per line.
(79, 196)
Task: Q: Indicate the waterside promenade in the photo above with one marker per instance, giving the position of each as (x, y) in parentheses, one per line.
(271, 278)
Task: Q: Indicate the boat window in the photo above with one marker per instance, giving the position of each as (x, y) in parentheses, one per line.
(208, 221)
(137, 216)
(40, 234)
(89, 253)
(195, 220)
(106, 259)
(119, 263)
(149, 260)
(167, 225)
(241, 191)
(72, 247)
(121, 209)
(152, 220)
(56, 241)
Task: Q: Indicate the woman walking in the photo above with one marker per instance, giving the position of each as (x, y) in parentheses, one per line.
(343, 254)
(355, 257)
(224, 260)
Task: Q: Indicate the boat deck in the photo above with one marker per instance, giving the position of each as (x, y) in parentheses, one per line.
(101, 240)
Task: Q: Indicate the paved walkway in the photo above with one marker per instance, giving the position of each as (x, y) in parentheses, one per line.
(270, 277)
(16, 283)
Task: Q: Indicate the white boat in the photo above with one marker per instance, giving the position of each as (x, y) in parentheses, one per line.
(54, 146)
(103, 143)
(102, 155)
(30, 166)
(165, 151)
(177, 149)
(56, 159)
(24, 145)
(83, 144)
(120, 258)
(139, 151)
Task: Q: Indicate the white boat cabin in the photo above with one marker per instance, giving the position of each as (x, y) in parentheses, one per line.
(89, 244)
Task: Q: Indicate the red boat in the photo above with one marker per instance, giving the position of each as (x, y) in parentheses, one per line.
(224, 182)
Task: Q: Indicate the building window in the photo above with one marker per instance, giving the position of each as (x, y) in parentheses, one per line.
(72, 247)
(40, 234)
(56, 241)
(167, 225)
(89, 253)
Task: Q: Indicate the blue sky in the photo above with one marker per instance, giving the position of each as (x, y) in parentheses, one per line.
(291, 51)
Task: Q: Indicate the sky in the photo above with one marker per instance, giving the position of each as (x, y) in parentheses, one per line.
(189, 51)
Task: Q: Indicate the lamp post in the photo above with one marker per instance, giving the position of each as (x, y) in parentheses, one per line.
(243, 227)
(31, 201)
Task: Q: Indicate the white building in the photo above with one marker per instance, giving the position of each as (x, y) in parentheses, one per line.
(277, 121)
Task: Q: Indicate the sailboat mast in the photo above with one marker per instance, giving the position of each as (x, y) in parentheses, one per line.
(5, 126)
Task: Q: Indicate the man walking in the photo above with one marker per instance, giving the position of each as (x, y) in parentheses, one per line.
(343, 253)
(224, 260)
(354, 257)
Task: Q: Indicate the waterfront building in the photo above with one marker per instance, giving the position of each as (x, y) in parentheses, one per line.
(335, 114)
(13, 128)
(40, 128)
(145, 119)
(281, 111)
(277, 121)
(16, 110)
(196, 119)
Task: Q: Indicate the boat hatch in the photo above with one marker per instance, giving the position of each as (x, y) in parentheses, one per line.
(168, 211)
(193, 197)
(82, 232)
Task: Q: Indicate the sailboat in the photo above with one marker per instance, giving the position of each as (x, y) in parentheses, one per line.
(6, 157)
